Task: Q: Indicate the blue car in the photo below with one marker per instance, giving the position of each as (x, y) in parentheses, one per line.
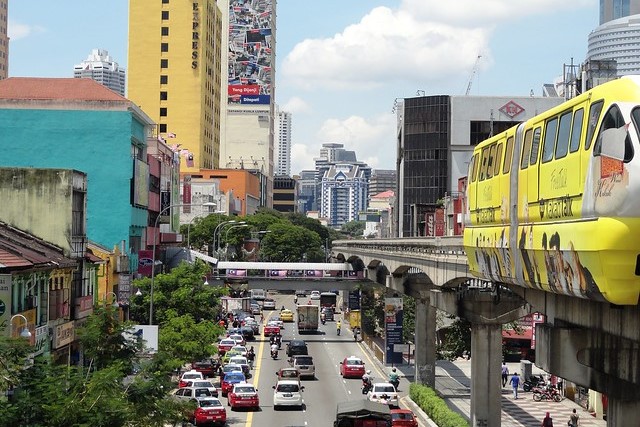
(230, 379)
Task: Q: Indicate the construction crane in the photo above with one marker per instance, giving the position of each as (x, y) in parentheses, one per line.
(473, 73)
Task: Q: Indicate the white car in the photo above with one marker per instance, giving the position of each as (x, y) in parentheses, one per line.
(287, 393)
(239, 339)
(269, 304)
(384, 393)
(315, 295)
(242, 361)
(241, 349)
(276, 320)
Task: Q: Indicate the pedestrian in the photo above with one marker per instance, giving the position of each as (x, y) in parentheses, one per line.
(574, 419)
(505, 374)
(547, 421)
(515, 382)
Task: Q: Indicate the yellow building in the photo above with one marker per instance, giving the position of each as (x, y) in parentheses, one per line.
(174, 74)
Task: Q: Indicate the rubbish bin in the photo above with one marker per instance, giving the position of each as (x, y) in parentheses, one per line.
(525, 369)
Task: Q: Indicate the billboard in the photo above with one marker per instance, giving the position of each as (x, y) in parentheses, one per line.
(250, 54)
(140, 187)
(393, 314)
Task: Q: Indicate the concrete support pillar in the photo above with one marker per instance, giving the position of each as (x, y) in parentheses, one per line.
(486, 386)
(425, 357)
(622, 413)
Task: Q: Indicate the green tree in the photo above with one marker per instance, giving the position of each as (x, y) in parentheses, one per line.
(292, 243)
(353, 228)
(408, 318)
(184, 339)
(458, 339)
(181, 290)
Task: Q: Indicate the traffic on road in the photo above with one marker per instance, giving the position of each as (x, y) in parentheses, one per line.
(288, 374)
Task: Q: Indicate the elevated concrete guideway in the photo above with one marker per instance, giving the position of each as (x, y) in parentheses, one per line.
(593, 344)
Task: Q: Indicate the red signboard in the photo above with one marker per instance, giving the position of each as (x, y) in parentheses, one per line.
(244, 90)
(145, 261)
(84, 306)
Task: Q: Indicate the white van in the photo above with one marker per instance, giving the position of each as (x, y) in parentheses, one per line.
(258, 294)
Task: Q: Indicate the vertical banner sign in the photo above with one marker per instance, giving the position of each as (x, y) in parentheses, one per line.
(124, 289)
(393, 327)
(186, 193)
(5, 299)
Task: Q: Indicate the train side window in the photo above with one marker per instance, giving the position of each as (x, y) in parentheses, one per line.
(491, 161)
(576, 130)
(506, 167)
(594, 115)
(564, 131)
(526, 150)
(496, 169)
(483, 163)
(473, 168)
(613, 119)
(549, 139)
(535, 146)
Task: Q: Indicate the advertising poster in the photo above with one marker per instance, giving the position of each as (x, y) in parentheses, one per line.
(393, 328)
(354, 300)
(5, 298)
(145, 262)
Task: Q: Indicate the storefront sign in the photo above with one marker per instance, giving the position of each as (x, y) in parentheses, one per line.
(84, 306)
(124, 289)
(42, 341)
(5, 298)
(64, 335)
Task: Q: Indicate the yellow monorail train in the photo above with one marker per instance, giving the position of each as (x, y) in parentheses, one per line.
(554, 202)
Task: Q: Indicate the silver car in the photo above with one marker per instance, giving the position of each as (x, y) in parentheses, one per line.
(304, 364)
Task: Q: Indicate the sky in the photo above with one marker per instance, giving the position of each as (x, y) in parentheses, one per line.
(342, 64)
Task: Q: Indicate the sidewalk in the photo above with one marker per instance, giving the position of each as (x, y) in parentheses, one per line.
(453, 384)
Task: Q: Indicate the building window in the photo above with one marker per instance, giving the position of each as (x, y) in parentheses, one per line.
(165, 1)
(165, 15)
(164, 80)
(163, 128)
(164, 63)
(163, 96)
(163, 112)
(164, 47)
(165, 31)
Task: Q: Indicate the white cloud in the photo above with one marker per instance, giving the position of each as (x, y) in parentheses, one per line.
(296, 105)
(17, 30)
(302, 157)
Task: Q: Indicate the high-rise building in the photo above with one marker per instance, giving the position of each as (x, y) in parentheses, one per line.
(4, 40)
(174, 74)
(307, 187)
(382, 180)
(283, 147)
(285, 194)
(344, 192)
(611, 10)
(248, 126)
(99, 66)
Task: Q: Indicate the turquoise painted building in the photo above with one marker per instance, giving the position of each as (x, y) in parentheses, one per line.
(79, 124)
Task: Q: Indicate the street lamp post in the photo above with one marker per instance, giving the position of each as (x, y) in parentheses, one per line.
(114, 304)
(25, 332)
(226, 235)
(153, 261)
(199, 216)
(215, 233)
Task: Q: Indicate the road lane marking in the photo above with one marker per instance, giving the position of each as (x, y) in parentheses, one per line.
(256, 370)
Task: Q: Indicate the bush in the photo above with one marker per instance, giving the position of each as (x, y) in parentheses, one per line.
(435, 407)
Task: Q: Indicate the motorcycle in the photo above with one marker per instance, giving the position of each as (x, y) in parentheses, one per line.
(546, 393)
(274, 354)
(532, 382)
(322, 319)
(367, 385)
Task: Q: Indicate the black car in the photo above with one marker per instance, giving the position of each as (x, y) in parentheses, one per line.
(247, 333)
(297, 347)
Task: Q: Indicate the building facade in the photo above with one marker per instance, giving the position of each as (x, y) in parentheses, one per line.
(4, 40)
(382, 180)
(285, 194)
(611, 10)
(174, 74)
(617, 40)
(283, 147)
(307, 186)
(248, 125)
(344, 190)
(99, 66)
(436, 136)
(80, 124)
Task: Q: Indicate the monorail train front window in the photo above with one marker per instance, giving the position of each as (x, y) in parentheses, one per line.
(594, 115)
(613, 119)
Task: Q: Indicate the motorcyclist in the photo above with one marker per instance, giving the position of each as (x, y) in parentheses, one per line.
(278, 341)
(322, 318)
(272, 339)
(355, 334)
(366, 381)
(251, 355)
(338, 327)
(394, 378)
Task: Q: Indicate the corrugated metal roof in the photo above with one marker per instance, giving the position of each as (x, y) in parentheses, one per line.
(39, 88)
(22, 250)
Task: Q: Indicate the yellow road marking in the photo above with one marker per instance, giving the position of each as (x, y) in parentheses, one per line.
(256, 369)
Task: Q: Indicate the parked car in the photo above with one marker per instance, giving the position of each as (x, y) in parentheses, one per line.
(384, 393)
(208, 410)
(304, 364)
(192, 392)
(230, 380)
(269, 304)
(295, 347)
(207, 367)
(190, 375)
(244, 395)
(352, 367)
(403, 418)
(287, 393)
(202, 384)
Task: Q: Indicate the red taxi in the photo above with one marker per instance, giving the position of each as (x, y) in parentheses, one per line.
(231, 379)
(225, 345)
(244, 395)
(270, 330)
(209, 410)
(403, 418)
(352, 367)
